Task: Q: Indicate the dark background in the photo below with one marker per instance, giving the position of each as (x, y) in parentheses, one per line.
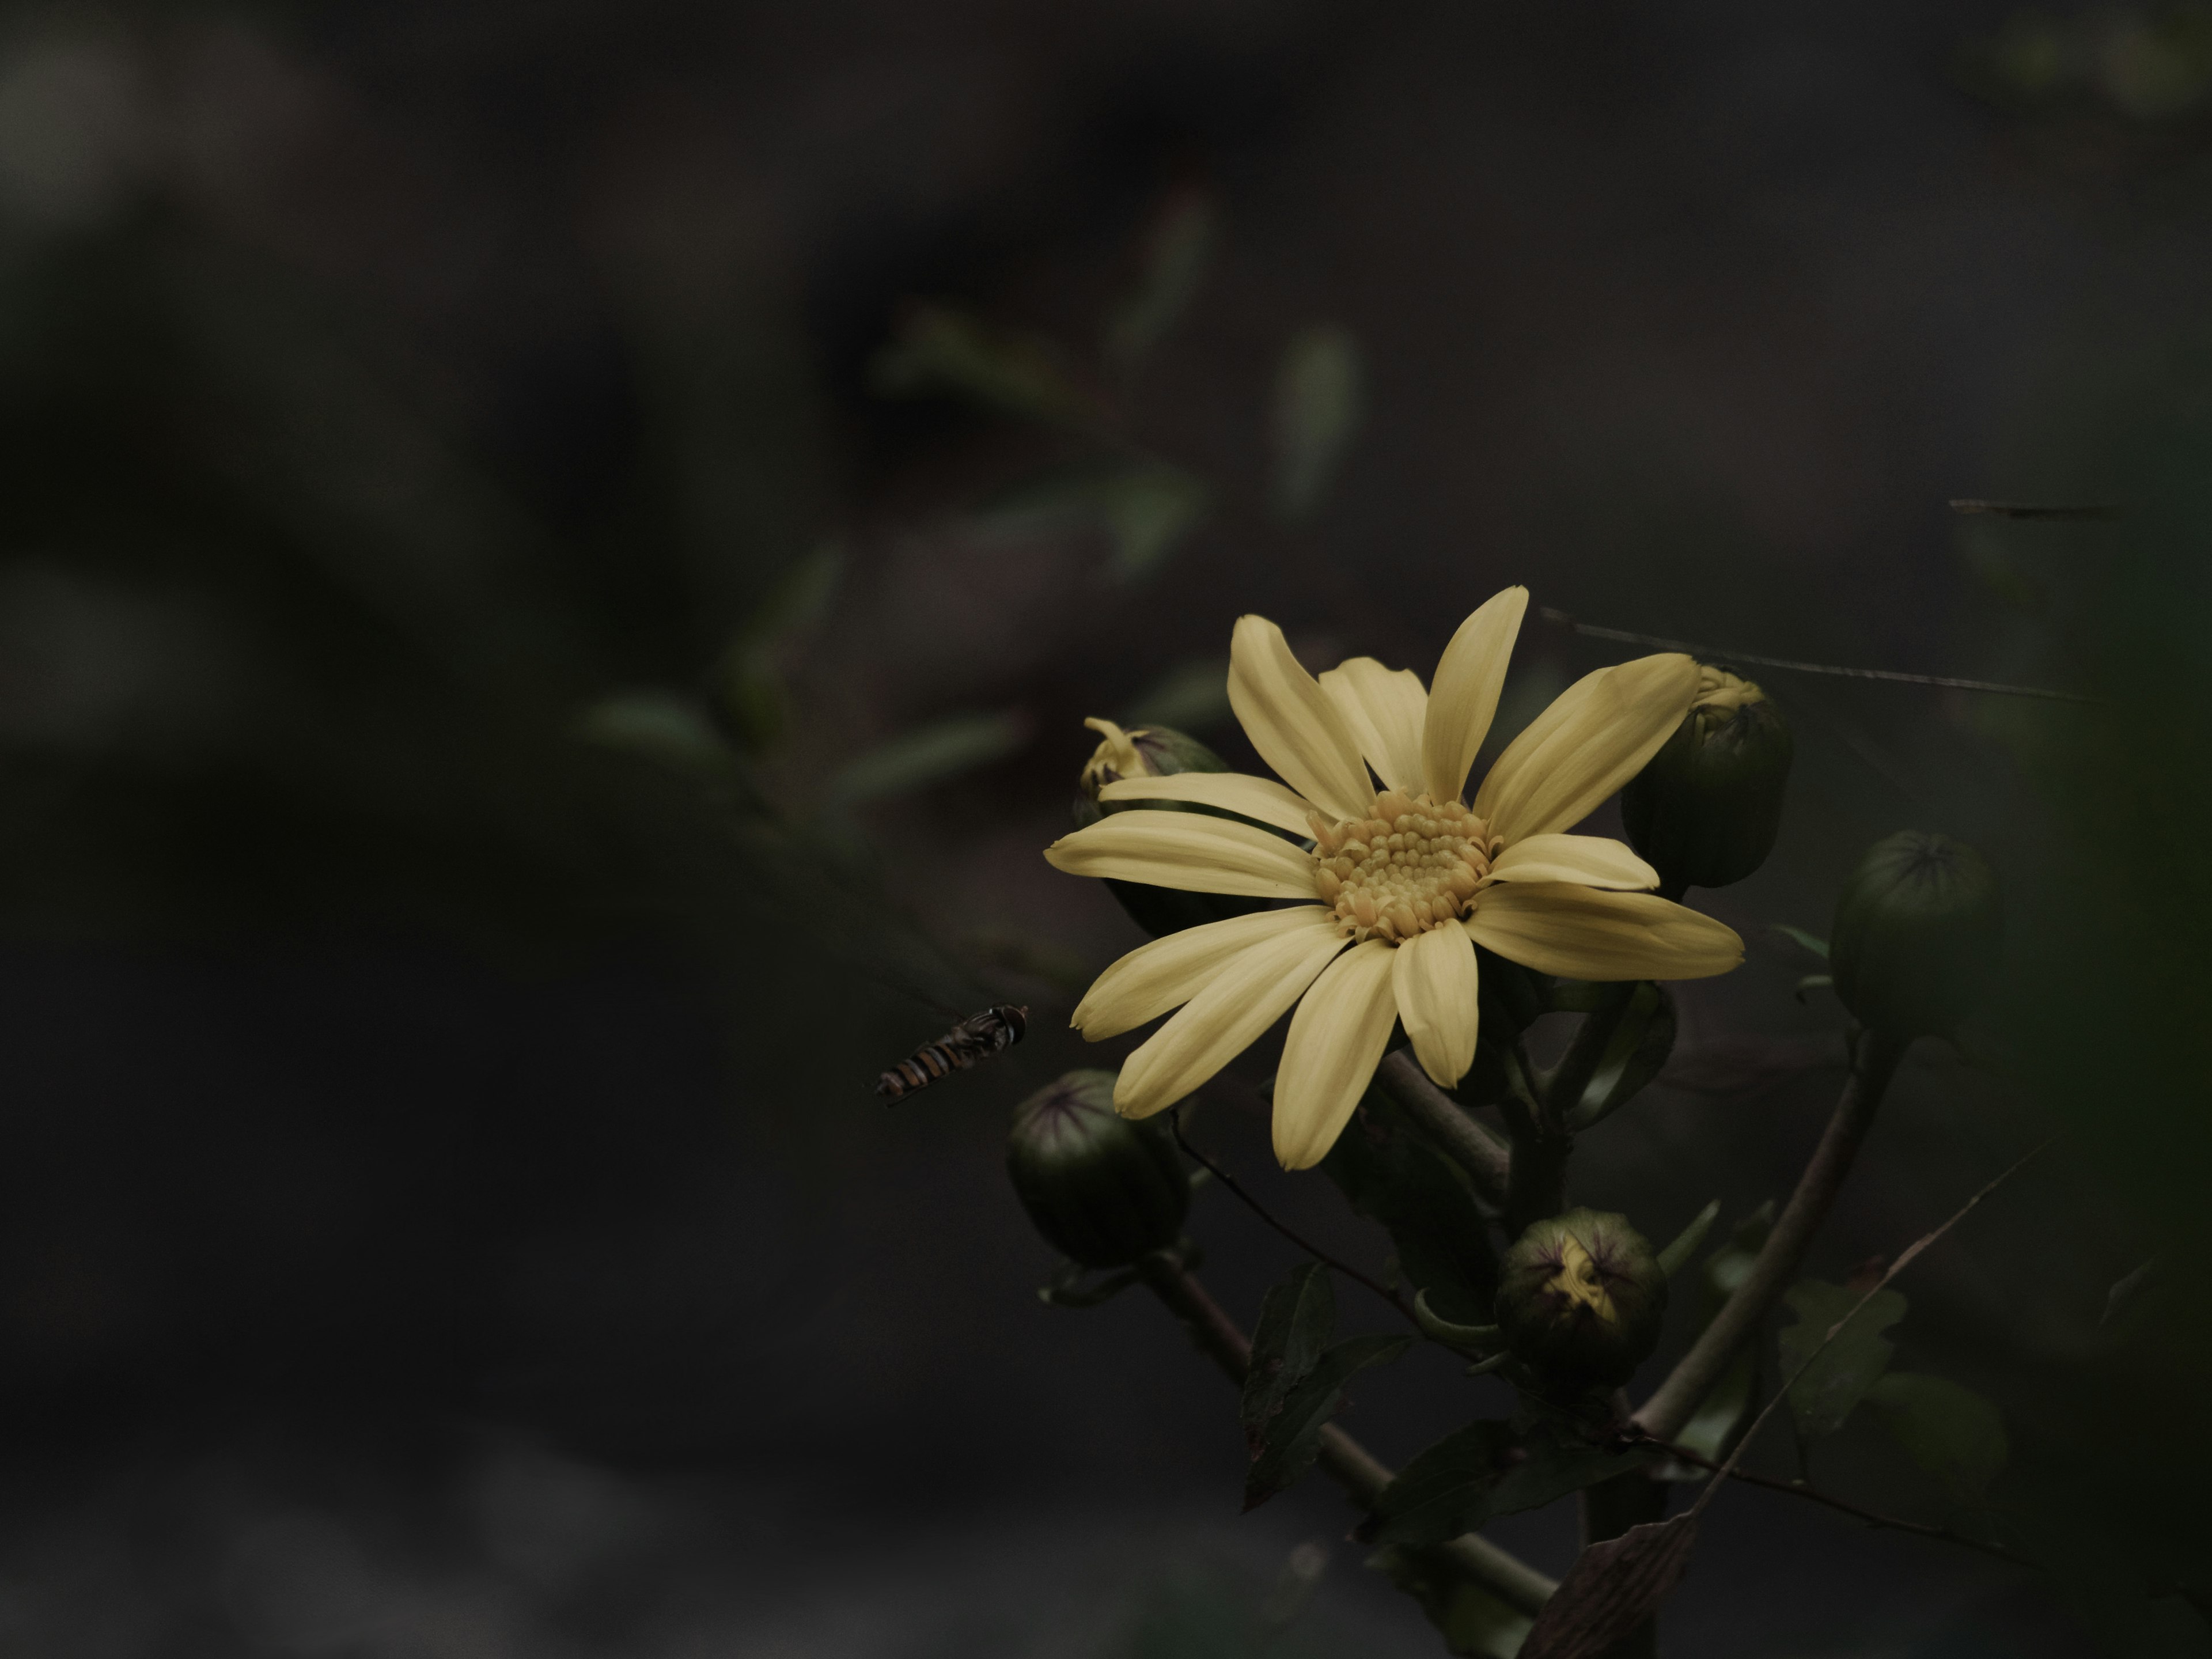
(448, 942)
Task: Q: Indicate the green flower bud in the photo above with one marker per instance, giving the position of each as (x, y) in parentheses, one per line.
(1580, 1299)
(1915, 934)
(1152, 751)
(1704, 812)
(1103, 1190)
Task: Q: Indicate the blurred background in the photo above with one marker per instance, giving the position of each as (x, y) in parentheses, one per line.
(554, 560)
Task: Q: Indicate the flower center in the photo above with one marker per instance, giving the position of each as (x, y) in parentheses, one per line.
(1413, 867)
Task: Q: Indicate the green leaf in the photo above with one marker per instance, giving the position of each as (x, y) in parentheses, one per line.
(1178, 250)
(930, 754)
(1471, 1619)
(1812, 942)
(1676, 1256)
(938, 351)
(1950, 1431)
(1395, 1178)
(1296, 1318)
(659, 725)
(1812, 982)
(1485, 1470)
(1145, 508)
(1635, 1054)
(1290, 1438)
(1839, 1377)
(1318, 397)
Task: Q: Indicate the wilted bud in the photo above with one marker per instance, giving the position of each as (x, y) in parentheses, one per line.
(1152, 751)
(1915, 935)
(1705, 811)
(1580, 1299)
(1103, 1190)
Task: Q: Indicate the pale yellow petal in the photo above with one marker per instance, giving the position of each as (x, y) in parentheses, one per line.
(1561, 927)
(1247, 994)
(1435, 982)
(1187, 850)
(1593, 860)
(1292, 723)
(1170, 971)
(1589, 742)
(1232, 792)
(1463, 698)
(1336, 1038)
(1384, 709)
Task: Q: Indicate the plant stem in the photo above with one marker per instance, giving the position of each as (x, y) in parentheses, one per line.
(1345, 1460)
(1563, 1089)
(1874, 1062)
(1464, 1141)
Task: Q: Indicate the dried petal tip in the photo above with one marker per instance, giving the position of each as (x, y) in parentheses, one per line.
(1580, 1299)
(1917, 935)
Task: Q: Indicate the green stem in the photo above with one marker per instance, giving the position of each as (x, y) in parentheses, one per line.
(1536, 1183)
(1348, 1462)
(1464, 1141)
(1874, 1062)
(1564, 1088)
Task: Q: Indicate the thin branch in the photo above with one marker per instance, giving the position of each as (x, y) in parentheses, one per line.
(1799, 1489)
(1626, 636)
(1873, 1063)
(1345, 1460)
(1175, 1123)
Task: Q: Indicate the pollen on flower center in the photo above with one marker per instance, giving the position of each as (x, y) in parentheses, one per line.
(1414, 866)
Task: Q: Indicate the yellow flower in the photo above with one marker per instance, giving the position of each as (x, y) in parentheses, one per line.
(1400, 886)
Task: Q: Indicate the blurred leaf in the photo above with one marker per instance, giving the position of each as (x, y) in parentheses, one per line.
(1684, 1245)
(1192, 697)
(1612, 1587)
(1635, 1055)
(1145, 508)
(1840, 1376)
(930, 755)
(1812, 942)
(1318, 396)
(1178, 247)
(1950, 1431)
(2130, 1291)
(1470, 1618)
(1485, 1470)
(659, 726)
(1812, 983)
(747, 684)
(941, 351)
(1290, 1438)
(1296, 1318)
(1392, 1177)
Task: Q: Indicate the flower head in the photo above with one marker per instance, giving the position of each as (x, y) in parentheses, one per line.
(1399, 886)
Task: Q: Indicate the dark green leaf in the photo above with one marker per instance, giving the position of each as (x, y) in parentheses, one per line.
(1798, 936)
(1950, 1431)
(940, 351)
(1318, 399)
(1471, 1619)
(1636, 1052)
(1485, 1470)
(1840, 1376)
(672, 731)
(1394, 1178)
(1287, 1442)
(1296, 1318)
(930, 754)
(1812, 983)
(1177, 253)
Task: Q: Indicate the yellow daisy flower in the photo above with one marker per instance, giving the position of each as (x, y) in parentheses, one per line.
(1400, 886)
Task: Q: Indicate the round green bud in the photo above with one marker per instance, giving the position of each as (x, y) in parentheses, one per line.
(1705, 810)
(1152, 751)
(1915, 935)
(1103, 1190)
(1580, 1300)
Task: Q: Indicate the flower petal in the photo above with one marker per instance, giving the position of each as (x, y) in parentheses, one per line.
(1292, 723)
(1591, 740)
(1336, 1038)
(1384, 710)
(1189, 850)
(1170, 971)
(1593, 860)
(1562, 927)
(1434, 980)
(1246, 995)
(1232, 792)
(1463, 697)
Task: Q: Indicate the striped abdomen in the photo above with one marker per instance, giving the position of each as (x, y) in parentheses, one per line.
(977, 1037)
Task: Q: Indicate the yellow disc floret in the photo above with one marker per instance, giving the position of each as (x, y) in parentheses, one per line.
(1414, 866)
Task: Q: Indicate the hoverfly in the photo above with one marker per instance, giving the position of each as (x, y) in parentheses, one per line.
(977, 1037)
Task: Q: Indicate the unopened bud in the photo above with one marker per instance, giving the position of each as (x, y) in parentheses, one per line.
(1915, 935)
(1101, 1188)
(1580, 1299)
(1705, 811)
(1152, 751)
